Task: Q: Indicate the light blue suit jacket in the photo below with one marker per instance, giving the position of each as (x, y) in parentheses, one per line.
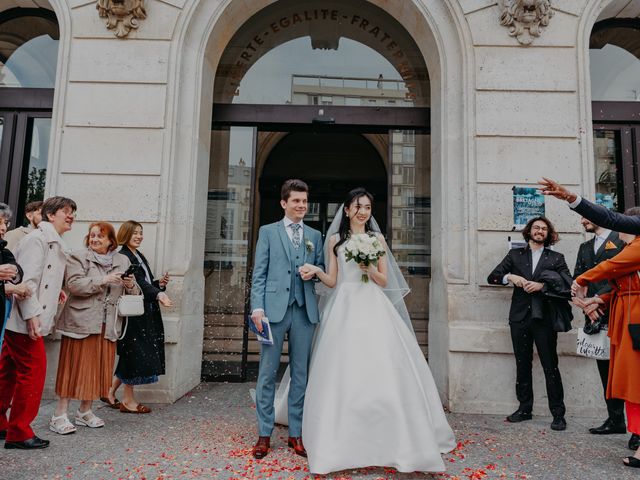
(272, 273)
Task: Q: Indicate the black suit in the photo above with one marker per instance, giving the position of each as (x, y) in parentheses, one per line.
(606, 218)
(586, 260)
(528, 328)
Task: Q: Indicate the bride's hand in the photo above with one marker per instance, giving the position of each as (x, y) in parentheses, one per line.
(308, 271)
(369, 270)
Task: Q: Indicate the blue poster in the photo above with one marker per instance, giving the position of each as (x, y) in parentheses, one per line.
(528, 203)
(605, 199)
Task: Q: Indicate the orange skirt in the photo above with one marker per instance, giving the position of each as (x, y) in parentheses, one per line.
(85, 368)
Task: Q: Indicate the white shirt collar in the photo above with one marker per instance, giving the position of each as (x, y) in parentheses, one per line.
(288, 221)
(605, 233)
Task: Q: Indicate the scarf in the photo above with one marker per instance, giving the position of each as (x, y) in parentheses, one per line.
(104, 259)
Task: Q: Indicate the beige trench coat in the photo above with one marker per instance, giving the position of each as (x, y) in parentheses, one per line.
(91, 303)
(41, 256)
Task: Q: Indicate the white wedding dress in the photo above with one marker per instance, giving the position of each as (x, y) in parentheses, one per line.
(371, 399)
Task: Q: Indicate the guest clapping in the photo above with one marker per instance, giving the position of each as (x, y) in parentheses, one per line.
(141, 351)
(624, 309)
(90, 326)
(23, 362)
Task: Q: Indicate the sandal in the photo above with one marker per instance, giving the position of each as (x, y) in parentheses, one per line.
(139, 409)
(88, 419)
(61, 425)
(115, 404)
(632, 462)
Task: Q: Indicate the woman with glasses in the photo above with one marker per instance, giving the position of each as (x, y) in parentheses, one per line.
(23, 362)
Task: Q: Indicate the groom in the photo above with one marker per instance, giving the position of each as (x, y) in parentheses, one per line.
(286, 297)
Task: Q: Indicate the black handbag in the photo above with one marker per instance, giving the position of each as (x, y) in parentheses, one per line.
(634, 328)
(634, 331)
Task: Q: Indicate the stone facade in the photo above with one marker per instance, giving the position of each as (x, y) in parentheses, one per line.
(132, 121)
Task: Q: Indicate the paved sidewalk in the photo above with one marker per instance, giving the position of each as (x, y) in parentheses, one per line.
(209, 434)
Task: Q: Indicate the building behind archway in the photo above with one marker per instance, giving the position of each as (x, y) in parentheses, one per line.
(138, 124)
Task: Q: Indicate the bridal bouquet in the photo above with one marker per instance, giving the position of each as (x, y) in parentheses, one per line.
(364, 249)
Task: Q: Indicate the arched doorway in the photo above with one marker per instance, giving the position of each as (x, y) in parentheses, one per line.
(614, 67)
(298, 103)
(29, 40)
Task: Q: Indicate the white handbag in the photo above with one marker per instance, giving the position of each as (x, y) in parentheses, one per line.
(128, 306)
(593, 346)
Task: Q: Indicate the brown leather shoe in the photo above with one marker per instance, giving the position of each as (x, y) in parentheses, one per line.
(298, 446)
(261, 448)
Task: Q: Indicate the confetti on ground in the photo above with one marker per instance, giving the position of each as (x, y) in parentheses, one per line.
(210, 432)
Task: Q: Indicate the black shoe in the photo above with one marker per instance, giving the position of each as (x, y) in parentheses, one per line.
(519, 416)
(609, 428)
(559, 423)
(29, 444)
(3, 434)
(634, 442)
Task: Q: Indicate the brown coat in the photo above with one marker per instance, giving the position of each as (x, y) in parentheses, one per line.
(624, 308)
(91, 303)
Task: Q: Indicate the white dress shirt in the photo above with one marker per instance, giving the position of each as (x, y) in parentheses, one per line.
(600, 239)
(287, 221)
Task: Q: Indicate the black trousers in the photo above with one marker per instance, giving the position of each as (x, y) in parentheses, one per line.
(615, 407)
(523, 335)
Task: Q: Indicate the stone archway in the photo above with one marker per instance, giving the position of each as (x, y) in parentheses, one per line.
(204, 34)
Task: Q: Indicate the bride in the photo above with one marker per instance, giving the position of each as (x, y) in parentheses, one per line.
(370, 399)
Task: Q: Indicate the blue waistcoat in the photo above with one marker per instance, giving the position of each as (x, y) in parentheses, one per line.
(296, 291)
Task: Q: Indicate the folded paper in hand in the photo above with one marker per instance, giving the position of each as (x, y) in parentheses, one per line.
(265, 336)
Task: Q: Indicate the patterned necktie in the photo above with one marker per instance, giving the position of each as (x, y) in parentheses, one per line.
(295, 238)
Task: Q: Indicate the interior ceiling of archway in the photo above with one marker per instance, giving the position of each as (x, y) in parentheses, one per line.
(620, 9)
(9, 4)
(325, 22)
(334, 155)
(626, 38)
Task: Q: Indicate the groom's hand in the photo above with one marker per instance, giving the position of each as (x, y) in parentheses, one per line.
(256, 318)
(307, 271)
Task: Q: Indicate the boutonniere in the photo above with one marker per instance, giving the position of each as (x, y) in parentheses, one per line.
(308, 245)
(610, 246)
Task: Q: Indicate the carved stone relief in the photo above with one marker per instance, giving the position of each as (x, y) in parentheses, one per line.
(121, 15)
(525, 18)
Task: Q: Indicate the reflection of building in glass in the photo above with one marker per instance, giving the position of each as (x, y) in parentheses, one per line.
(349, 91)
(605, 146)
(410, 210)
(226, 243)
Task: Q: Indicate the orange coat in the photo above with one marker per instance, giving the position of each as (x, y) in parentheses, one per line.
(624, 308)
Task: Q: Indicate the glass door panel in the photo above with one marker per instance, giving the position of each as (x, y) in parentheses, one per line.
(24, 154)
(616, 165)
(227, 243)
(410, 220)
(35, 167)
